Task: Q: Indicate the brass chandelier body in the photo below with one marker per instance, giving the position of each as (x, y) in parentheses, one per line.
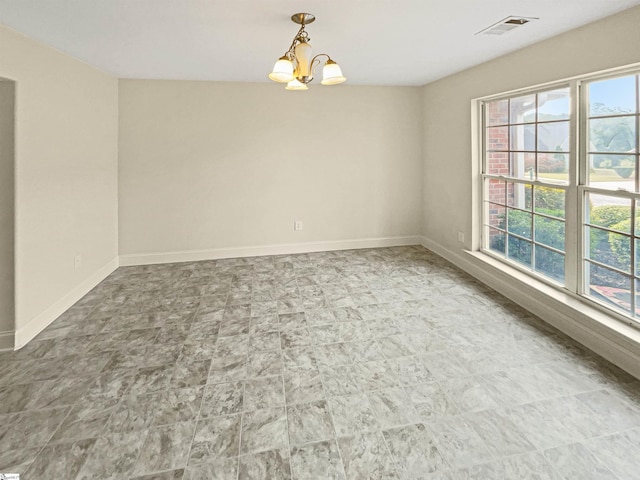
(296, 66)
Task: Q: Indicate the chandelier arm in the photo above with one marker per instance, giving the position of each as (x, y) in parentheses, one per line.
(314, 59)
(295, 41)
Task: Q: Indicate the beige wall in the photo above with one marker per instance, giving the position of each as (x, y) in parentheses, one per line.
(207, 165)
(447, 142)
(7, 170)
(66, 175)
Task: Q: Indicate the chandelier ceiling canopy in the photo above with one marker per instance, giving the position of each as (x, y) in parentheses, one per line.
(296, 66)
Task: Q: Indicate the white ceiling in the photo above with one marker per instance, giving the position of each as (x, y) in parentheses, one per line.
(376, 42)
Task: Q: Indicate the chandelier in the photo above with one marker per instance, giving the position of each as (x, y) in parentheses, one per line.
(296, 66)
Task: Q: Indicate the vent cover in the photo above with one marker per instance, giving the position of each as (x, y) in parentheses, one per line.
(506, 25)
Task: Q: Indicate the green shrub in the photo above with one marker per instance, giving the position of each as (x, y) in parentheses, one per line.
(607, 215)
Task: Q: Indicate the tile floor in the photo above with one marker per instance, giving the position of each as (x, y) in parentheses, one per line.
(369, 364)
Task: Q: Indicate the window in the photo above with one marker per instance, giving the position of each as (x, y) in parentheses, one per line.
(560, 186)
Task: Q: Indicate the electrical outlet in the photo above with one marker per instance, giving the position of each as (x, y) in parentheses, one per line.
(461, 237)
(77, 262)
(297, 225)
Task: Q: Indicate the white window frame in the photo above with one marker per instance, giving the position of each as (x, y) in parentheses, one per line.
(575, 190)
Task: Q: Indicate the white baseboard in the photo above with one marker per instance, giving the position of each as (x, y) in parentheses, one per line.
(604, 335)
(6, 340)
(261, 250)
(43, 320)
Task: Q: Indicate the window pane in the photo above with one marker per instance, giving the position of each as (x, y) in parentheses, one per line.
(550, 201)
(609, 248)
(609, 212)
(617, 134)
(613, 96)
(523, 137)
(553, 105)
(497, 113)
(608, 286)
(523, 109)
(553, 137)
(612, 171)
(497, 139)
(637, 264)
(553, 167)
(495, 240)
(497, 191)
(497, 215)
(550, 263)
(523, 165)
(519, 223)
(549, 232)
(498, 163)
(519, 250)
(519, 196)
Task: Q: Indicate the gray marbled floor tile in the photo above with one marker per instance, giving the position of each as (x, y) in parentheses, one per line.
(219, 469)
(430, 401)
(113, 456)
(410, 370)
(227, 369)
(32, 428)
(215, 438)
(197, 350)
(633, 436)
(392, 407)
(300, 358)
(236, 326)
(178, 405)
(63, 460)
(85, 421)
(272, 465)
(161, 354)
(172, 475)
(135, 412)
(528, 466)
(414, 451)
(265, 341)
(236, 345)
(396, 346)
(263, 392)
(539, 426)
(618, 454)
(264, 430)
(190, 373)
(16, 398)
(14, 458)
(341, 380)
(364, 351)
(111, 384)
(318, 461)
(222, 399)
(320, 316)
(303, 386)
(501, 436)
(468, 394)
(575, 461)
(165, 448)
(332, 354)
(297, 337)
(352, 415)
(503, 389)
(376, 375)
(309, 422)
(262, 364)
(458, 443)
(291, 321)
(366, 456)
(264, 323)
(577, 417)
(151, 379)
(615, 410)
(444, 365)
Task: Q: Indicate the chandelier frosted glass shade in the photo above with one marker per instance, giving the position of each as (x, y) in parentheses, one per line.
(282, 71)
(296, 66)
(296, 85)
(332, 74)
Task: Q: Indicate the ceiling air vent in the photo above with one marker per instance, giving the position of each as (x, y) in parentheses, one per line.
(506, 25)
